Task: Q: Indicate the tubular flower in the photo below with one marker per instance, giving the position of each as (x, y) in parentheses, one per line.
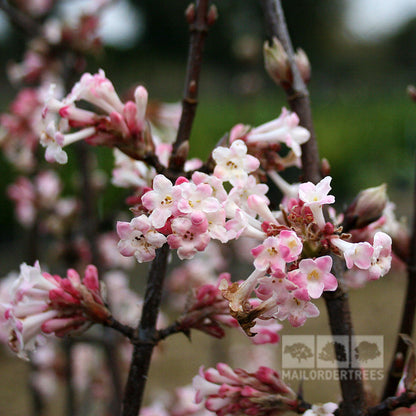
(233, 163)
(44, 304)
(234, 392)
(139, 238)
(114, 124)
(314, 196)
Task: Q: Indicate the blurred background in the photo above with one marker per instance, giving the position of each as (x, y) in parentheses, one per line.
(362, 52)
(363, 56)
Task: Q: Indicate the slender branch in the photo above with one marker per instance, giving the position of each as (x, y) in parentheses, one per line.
(145, 333)
(199, 19)
(20, 20)
(297, 94)
(406, 399)
(172, 329)
(408, 314)
(298, 98)
(125, 330)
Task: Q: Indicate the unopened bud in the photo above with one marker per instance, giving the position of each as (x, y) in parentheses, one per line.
(212, 15)
(190, 13)
(411, 91)
(325, 167)
(276, 62)
(303, 64)
(140, 97)
(366, 208)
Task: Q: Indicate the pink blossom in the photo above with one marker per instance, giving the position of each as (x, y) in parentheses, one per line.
(258, 204)
(275, 252)
(216, 184)
(241, 195)
(233, 163)
(189, 235)
(120, 125)
(267, 255)
(21, 128)
(160, 201)
(315, 276)
(358, 254)
(207, 311)
(139, 238)
(23, 193)
(297, 308)
(245, 225)
(266, 332)
(234, 392)
(43, 304)
(314, 196)
(277, 287)
(284, 129)
(191, 198)
(381, 258)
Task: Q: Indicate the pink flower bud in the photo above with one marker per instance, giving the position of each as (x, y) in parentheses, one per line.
(366, 208)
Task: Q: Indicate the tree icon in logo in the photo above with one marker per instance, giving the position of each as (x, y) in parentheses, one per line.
(366, 351)
(299, 351)
(333, 351)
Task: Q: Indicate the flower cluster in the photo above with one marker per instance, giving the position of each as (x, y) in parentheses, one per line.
(41, 304)
(208, 311)
(21, 128)
(234, 392)
(110, 123)
(264, 141)
(292, 262)
(34, 199)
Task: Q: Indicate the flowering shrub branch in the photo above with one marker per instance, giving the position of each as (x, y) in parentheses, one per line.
(299, 248)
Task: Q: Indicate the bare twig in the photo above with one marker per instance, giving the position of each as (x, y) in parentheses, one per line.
(298, 99)
(408, 315)
(200, 18)
(406, 399)
(297, 94)
(145, 334)
(20, 20)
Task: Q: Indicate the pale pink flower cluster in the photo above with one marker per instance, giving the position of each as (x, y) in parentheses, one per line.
(41, 195)
(235, 392)
(21, 128)
(188, 214)
(110, 123)
(290, 269)
(265, 140)
(207, 311)
(41, 304)
(372, 260)
(292, 262)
